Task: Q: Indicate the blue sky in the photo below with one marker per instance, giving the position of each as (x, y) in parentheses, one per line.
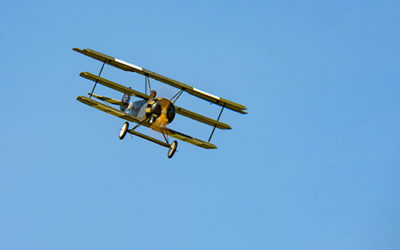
(314, 165)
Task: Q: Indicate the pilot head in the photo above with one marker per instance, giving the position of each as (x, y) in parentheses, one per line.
(153, 94)
(125, 98)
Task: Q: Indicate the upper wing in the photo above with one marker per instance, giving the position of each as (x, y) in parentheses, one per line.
(122, 115)
(130, 91)
(189, 89)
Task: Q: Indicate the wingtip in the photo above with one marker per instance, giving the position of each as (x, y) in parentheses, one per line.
(79, 98)
(83, 74)
(221, 125)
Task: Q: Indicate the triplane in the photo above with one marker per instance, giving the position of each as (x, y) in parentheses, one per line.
(151, 111)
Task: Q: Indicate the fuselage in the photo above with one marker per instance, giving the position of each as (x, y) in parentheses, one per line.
(160, 111)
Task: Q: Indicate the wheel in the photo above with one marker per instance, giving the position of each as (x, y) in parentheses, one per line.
(172, 149)
(123, 130)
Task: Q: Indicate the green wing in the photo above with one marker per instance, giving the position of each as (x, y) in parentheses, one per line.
(130, 91)
(201, 118)
(122, 115)
(189, 139)
(114, 85)
(118, 63)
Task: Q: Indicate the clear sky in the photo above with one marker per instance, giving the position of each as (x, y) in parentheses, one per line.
(314, 165)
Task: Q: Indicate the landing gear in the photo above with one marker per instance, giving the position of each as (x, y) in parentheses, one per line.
(172, 149)
(123, 130)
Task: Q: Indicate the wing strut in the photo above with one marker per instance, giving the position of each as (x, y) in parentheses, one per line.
(216, 124)
(95, 83)
(140, 123)
(176, 96)
(165, 136)
(147, 81)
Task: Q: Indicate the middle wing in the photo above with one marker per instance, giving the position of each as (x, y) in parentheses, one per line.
(132, 92)
(122, 115)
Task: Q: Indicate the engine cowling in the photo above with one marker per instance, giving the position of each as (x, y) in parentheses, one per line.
(161, 111)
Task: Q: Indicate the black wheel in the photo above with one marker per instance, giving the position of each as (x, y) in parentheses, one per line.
(172, 149)
(123, 130)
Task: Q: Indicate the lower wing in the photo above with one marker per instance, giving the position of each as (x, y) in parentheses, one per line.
(122, 115)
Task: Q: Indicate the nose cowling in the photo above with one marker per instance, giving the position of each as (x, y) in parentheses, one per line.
(162, 110)
(170, 112)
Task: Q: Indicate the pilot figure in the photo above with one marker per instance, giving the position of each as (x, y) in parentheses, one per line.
(138, 108)
(153, 94)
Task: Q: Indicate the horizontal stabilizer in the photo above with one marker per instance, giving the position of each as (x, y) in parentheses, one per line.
(110, 100)
(108, 109)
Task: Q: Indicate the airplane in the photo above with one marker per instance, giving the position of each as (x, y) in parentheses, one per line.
(151, 111)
